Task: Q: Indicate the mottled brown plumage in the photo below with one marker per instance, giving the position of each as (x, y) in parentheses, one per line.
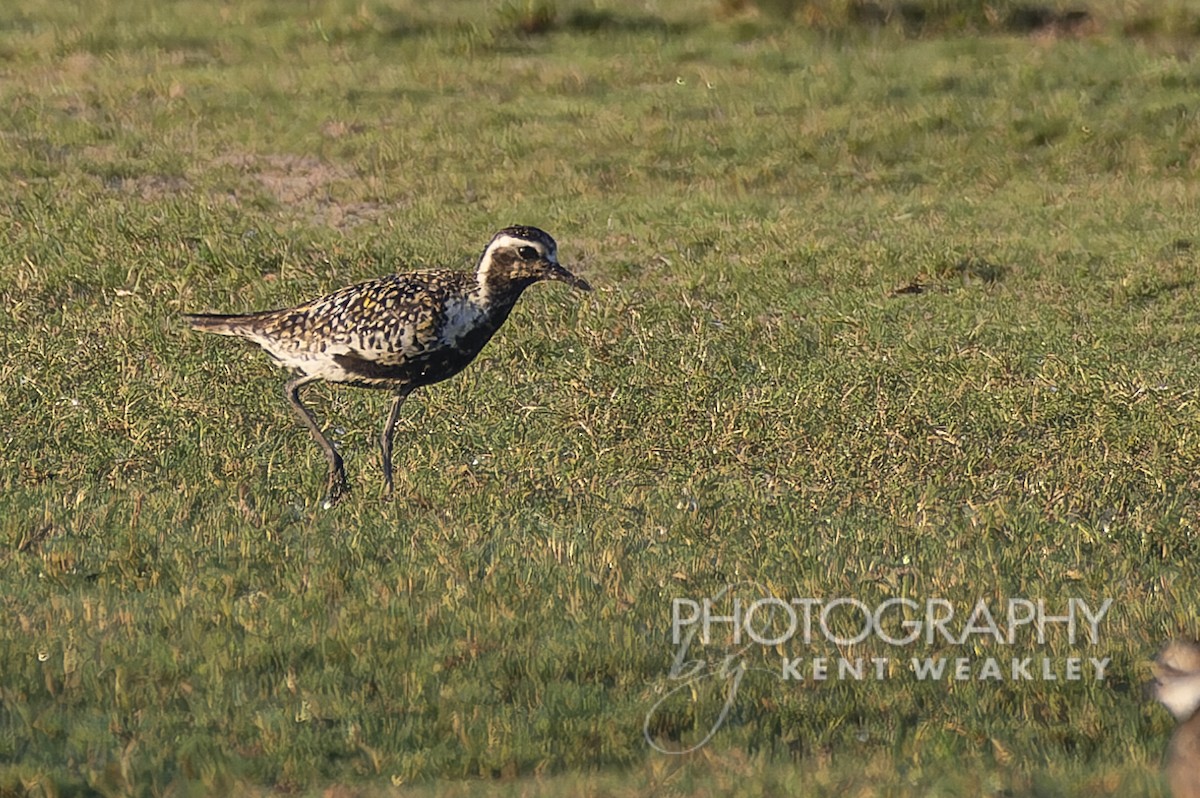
(397, 333)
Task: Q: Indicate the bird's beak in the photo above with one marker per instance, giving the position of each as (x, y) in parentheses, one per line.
(557, 272)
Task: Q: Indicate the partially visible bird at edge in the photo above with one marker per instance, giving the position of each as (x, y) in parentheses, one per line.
(1177, 685)
(396, 333)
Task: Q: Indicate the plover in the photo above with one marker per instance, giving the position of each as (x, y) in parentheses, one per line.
(396, 333)
(1177, 686)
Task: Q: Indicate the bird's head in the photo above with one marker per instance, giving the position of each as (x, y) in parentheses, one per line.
(1177, 678)
(520, 256)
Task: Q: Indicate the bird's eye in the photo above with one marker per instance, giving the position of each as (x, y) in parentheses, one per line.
(528, 253)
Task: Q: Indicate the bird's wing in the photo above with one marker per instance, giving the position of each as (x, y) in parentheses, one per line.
(390, 319)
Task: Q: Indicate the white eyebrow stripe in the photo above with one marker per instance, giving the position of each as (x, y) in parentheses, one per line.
(510, 241)
(504, 242)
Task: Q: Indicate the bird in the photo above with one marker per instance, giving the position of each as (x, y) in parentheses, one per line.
(396, 333)
(1177, 685)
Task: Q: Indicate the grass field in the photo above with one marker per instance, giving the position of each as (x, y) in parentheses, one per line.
(878, 314)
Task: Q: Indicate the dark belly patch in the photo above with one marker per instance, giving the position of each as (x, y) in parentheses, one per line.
(415, 371)
(371, 369)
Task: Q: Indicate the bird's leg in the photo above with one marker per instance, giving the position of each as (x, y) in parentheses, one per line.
(385, 437)
(338, 487)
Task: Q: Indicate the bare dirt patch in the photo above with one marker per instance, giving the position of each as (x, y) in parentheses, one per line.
(290, 179)
(306, 185)
(154, 187)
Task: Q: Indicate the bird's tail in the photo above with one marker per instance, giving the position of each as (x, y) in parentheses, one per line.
(243, 326)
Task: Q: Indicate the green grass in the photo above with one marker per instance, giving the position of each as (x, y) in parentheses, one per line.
(747, 395)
